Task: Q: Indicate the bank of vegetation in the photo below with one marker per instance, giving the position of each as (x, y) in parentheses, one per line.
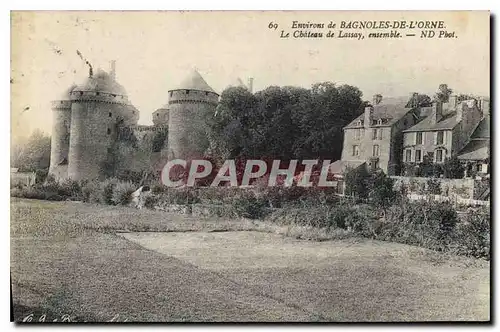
(371, 209)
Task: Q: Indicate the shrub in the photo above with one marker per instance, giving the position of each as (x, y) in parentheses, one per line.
(247, 205)
(91, 192)
(105, 191)
(122, 193)
(433, 187)
(70, 189)
(177, 196)
(151, 201)
(472, 236)
(36, 193)
(425, 224)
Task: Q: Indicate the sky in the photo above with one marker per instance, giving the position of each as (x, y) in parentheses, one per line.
(154, 51)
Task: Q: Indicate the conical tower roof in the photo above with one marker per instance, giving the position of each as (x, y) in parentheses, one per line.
(237, 82)
(194, 81)
(102, 82)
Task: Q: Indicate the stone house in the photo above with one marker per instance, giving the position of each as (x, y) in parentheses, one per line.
(444, 130)
(374, 138)
(475, 155)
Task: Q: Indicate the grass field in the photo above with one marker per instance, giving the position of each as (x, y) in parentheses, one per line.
(67, 259)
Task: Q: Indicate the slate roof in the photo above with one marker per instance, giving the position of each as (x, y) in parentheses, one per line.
(448, 121)
(194, 81)
(483, 129)
(339, 166)
(101, 81)
(391, 109)
(475, 150)
(479, 144)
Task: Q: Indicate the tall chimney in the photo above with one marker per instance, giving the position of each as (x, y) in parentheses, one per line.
(377, 99)
(112, 69)
(452, 102)
(437, 111)
(368, 116)
(250, 84)
(485, 106)
(414, 100)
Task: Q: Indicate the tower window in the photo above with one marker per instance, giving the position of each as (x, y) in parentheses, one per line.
(109, 114)
(109, 131)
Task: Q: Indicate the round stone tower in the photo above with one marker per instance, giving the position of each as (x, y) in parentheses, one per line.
(189, 106)
(160, 116)
(59, 145)
(99, 106)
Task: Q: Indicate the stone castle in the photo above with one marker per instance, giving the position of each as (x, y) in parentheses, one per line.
(95, 132)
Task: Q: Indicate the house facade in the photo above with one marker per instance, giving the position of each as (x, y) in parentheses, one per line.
(393, 132)
(476, 154)
(443, 131)
(374, 138)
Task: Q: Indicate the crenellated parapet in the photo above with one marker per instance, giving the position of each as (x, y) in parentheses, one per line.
(61, 104)
(143, 128)
(192, 97)
(97, 96)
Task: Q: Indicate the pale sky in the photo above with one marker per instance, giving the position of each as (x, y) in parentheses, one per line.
(155, 50)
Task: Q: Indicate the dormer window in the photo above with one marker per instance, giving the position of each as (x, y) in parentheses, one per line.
(379, 122)
(97, 93)
(187, 92)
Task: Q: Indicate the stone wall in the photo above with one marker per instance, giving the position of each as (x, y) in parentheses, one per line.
(463, 188)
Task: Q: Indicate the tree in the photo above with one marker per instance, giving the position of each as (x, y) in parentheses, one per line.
(357, 182)
(159, 140)
(453, 168)
(381, 190)
(283, 122)
(443, 93)
(426, 167)
(419, 100)
(32, 155)
(462, 97)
